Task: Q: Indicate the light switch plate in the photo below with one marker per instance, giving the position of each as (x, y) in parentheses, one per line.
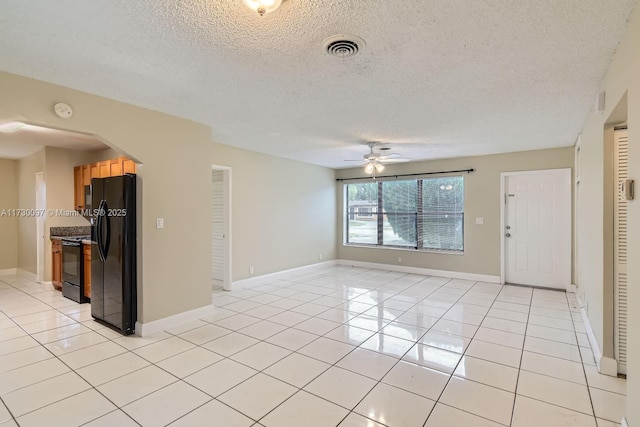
(159, 223)
(479, 221)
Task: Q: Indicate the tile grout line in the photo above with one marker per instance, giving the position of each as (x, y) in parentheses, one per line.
(70, 370)
(515, 391)
(380, 287)
(502, 287)
(331, 365)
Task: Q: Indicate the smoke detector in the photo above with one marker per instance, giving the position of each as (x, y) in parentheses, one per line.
(63, 110)
(343, 45)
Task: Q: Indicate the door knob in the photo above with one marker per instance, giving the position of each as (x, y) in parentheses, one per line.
(508, 235)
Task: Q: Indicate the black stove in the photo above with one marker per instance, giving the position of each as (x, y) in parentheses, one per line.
(72, 268)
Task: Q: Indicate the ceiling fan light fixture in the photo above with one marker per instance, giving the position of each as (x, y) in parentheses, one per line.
(263, 6)
(369, 168)
(379, 167)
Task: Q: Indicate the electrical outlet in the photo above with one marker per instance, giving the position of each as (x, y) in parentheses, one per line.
(159, 223)
(320, 257)
(400, 260)
(251, 269)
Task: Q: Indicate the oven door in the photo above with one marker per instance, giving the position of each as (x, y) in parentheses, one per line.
(72, 263)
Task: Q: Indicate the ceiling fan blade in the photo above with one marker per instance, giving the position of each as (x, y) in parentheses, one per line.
(352, 160)
(395, 160)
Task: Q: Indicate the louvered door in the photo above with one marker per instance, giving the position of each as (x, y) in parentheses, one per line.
(620, 250)
(218, 235)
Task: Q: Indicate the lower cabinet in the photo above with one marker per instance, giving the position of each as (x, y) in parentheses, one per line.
(86, 254)
(56, 263)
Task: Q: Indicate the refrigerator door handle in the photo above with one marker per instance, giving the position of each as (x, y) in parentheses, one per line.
(99, 235)
(107, 241)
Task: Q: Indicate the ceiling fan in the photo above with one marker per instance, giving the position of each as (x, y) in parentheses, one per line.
(377, 157)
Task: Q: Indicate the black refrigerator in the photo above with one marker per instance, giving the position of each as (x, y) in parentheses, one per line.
(113, 252)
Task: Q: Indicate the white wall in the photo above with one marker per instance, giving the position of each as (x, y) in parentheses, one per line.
(621, 78)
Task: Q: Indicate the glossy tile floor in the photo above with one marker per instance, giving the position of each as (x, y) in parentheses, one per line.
(336, 346)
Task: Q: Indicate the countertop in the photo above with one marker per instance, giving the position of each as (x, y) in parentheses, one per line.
(83, 241)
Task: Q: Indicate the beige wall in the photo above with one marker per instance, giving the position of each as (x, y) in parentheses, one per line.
(106, 154)
(58, 166)
(175, 266)
(283, 211)
(8, 224)
(482, 199)
(27, 243)
(18, 182)
(621, 79)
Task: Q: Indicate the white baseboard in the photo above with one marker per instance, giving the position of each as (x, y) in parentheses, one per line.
(265, 278)
(425, 271)
(608, 366)
(624, 423)
(8, 272)
(605, 365)
(148, 328)
(571, 289)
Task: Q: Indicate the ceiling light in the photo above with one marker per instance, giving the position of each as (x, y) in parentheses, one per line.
(372, 166)
(263, 6)
(369, 168)
(10, 126)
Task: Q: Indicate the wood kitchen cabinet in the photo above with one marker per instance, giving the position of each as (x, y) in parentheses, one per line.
(128, 165)
(83, 174)
(78, 189)
(115, 167)
(86, 175)
(95, 171)
(104, 169)
(86, 255)
(56, 263)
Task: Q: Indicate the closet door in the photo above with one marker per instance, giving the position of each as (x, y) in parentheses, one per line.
(620, 249)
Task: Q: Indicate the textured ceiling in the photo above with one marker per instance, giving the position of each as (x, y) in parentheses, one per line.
(441, 78)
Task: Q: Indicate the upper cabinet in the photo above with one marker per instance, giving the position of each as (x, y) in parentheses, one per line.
(78, 188)
(82, 175)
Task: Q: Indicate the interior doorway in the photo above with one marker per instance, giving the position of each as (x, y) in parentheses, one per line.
(221, 227)
(41, 205)
(536, 228)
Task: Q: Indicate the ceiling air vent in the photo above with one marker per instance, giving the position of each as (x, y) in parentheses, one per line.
(343, 45)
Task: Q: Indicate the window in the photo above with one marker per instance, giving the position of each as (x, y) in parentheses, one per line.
(420, 214)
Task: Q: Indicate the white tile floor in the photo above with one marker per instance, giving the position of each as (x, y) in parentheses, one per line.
(337, 346)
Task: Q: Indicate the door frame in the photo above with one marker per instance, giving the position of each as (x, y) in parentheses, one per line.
(226, 185)
(503, 178)
(41, 205)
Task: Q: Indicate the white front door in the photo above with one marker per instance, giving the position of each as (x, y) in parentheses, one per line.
(537, 228)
